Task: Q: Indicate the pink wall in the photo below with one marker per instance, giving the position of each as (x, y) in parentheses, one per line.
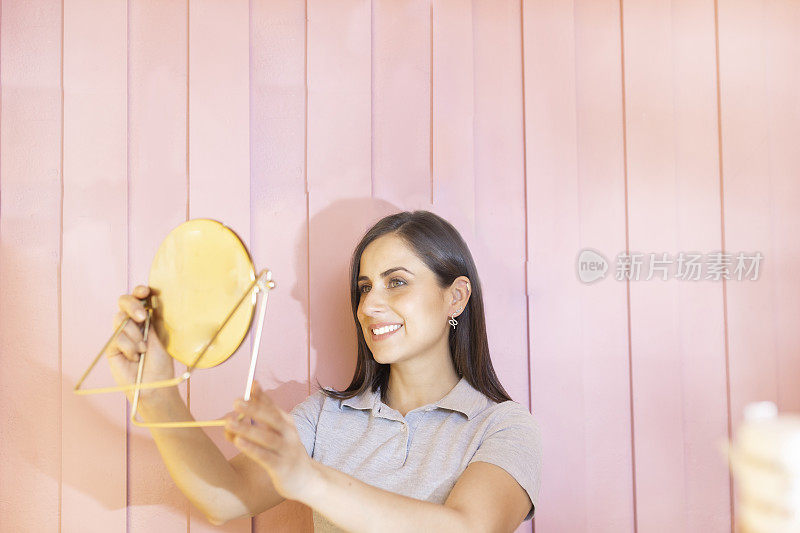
(538, 128)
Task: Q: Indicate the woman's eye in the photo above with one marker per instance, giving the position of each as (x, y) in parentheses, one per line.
(394, 282)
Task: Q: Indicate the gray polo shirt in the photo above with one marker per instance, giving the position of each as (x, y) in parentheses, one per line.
(422, 454)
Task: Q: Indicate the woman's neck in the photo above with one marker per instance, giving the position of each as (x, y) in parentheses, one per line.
(411, 388)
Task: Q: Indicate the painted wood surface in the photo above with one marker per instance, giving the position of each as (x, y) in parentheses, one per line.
(538, 128)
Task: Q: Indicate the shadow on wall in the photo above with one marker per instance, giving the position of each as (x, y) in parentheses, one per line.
(104, 429)
(333, 234)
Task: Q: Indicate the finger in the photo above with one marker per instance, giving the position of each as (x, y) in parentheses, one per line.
(132, 307)
(141, 291)
(261, 409)
(263, 436)
(119, 318)
(128, 348)
(260, 455)
(115, 356)
(134, 333)
(131, 329)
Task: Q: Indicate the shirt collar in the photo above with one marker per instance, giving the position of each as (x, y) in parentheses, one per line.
(365, 400)
(463, 398)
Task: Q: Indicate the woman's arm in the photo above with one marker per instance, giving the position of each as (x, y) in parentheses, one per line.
(358, 507)
(220, 489)
(269, 436)
(485, 498)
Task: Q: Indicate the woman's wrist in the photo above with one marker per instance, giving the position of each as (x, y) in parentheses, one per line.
(161, 404)
(315, 487)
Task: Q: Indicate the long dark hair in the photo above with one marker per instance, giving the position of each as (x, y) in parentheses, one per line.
(439, 245)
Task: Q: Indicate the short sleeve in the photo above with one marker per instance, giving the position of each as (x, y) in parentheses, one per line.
(514, 443)
(306, 415)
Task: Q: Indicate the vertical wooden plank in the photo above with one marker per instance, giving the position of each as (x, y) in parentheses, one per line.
(783, 107)
(340, 207)
(677, 328)
(219, 182)
(453, 115)
(700, 316)
(604, 310)
(745, 138)
(95, 259)
(575, 200)
(500, 189)
(759, 113)
(30, 382)
(553, 232)
(157, 197)
(279, 213)
(401, 102)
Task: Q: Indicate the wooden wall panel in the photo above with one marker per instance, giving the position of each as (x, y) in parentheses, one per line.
(603, 306)
(453, 115)
(758, 78)
(758, 82)
(279, 214)
(30, 380)
(499, 189)
(575, 200)
(745, 138)
(94, 260)
(782, 85)
(553, 232)
(157, 91)
(538, 128)
(499, 177)
(219, 184)
(401, 102)
(339, 180)
(678, 365)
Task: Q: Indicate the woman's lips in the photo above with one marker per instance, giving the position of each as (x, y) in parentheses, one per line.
(384, 335)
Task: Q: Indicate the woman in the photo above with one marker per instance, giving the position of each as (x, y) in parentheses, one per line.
(424, 436)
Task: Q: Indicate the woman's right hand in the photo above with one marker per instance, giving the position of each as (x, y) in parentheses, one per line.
(124, 352)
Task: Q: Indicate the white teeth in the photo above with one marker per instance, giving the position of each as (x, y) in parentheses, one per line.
(385, 329)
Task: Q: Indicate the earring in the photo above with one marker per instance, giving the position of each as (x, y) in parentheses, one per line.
(453, 322)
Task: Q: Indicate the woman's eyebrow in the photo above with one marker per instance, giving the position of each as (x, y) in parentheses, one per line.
(387, 272)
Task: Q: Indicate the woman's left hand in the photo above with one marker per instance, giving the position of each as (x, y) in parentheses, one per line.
(272, 441)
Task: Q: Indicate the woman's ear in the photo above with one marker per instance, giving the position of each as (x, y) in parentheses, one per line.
(460, 291)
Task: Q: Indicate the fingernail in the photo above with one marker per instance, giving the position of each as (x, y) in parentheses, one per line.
(140, 314)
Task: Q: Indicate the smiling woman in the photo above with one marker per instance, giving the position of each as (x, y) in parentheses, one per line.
(425, 415)
(424, 437)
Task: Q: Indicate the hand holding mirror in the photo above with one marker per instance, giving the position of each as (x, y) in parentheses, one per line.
(203, 293)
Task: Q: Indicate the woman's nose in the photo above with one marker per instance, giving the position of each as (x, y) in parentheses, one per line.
(373, 301)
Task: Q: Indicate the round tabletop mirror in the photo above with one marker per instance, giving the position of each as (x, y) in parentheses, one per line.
(200, 272)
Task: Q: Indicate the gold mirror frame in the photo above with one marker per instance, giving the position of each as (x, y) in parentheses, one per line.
(200, 268)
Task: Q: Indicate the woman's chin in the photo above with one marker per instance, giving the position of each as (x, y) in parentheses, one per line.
(384, 358)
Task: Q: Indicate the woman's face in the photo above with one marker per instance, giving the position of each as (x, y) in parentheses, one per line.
(399, 291)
